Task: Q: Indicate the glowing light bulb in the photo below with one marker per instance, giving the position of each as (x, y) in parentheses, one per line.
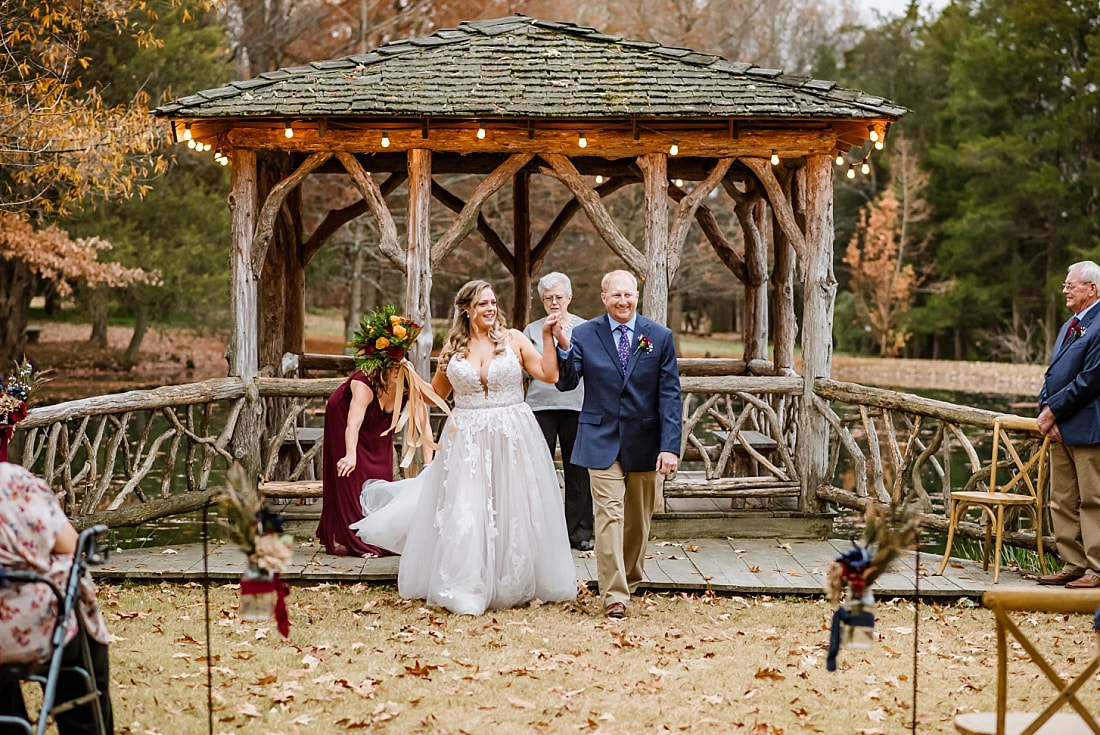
(481, 132)
(880, 144)
(851, 171)
(865, 167)
(674, 149)
(385, 139)
(775, 157)
(191, 144)
(679, 183)
(599, 179)
(582, 142)
(840, 159)
(873, 133)
(187, 131)
(288, 131)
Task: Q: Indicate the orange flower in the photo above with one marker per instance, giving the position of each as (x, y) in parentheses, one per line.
(398, 331)
(396, 319)
(381, 343)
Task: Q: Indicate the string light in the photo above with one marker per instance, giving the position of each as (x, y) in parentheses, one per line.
(187, 132)
(288, 131)
(481, 131)
(385, 139)
(840, 159)
(599, 179)
(873, 133)
(221, 158)
(851, 171)
(775, 157)
(582, 142)
(674, 149)
(191, 143)
(679, 183)
(865, 167)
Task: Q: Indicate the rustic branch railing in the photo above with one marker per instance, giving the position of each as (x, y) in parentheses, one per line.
(132, 457)
(123, 459)
(894, 442)
(729, 423)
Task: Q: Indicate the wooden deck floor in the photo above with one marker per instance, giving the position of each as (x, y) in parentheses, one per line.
(748, 566)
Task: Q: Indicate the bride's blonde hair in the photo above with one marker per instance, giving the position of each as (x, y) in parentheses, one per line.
(458, 340)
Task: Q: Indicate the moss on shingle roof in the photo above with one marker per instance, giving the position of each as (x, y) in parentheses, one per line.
(524, 67)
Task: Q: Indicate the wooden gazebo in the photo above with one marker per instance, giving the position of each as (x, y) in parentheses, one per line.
(516, 98)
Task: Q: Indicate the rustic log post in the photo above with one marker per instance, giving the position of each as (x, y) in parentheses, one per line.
(418, 257)
(786, 324)
(655, 295)
(521, 248)
(819, 294)
(243, 304)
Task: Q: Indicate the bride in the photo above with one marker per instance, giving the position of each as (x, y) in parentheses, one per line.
(483, 526)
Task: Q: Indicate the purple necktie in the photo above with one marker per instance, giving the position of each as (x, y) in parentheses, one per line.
(1065, 338)
(624, 346)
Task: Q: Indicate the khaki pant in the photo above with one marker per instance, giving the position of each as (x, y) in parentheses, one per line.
(624, 506)
(1075, 505)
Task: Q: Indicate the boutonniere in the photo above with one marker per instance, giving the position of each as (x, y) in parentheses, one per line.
(644, 343)
(1077, 332)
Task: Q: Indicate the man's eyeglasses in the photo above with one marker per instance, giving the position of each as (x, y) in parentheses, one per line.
(1074, 286)
(553, 299)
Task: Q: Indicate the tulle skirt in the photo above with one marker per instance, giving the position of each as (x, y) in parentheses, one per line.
(483, 526)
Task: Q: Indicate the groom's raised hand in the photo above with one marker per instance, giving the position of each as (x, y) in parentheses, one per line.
(667, 462)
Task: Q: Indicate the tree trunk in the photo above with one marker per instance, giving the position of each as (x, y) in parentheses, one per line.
(354, 308)
(15, 300)
(98, 339)
(133, 350)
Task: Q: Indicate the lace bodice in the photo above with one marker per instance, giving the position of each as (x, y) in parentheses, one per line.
(505, 382)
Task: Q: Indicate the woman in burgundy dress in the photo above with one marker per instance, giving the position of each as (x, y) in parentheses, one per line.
(358, 447)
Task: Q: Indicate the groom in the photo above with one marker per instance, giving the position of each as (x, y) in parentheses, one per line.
(628, 430)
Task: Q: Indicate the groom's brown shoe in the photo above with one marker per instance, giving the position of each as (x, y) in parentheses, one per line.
(1061, 578)
(1088, 582)
(616, 611)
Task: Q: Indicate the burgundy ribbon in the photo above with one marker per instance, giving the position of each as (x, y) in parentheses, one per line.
(281, 590)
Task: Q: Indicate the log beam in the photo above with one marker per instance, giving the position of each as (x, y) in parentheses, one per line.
(603, 141)
(375, 201)
(418, 257)
(658, 277)
(495, 242)
(265, 227)
(563, 170)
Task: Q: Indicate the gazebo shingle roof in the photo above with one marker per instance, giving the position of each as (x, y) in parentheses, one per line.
(524, 67)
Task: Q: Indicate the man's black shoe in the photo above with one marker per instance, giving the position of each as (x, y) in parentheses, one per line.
(583, 546)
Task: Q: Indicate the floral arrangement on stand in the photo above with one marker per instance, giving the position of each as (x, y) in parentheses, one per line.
(259, 534)
(18, 387)
(383, 343)
(887, 532)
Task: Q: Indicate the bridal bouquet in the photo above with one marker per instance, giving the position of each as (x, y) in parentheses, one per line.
(383, 340)
(259, 534)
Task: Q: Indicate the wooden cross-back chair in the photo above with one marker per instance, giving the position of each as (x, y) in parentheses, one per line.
(1050, 721)
(1021, 491)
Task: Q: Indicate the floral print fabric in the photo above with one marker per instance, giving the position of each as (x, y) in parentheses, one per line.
(30, 521)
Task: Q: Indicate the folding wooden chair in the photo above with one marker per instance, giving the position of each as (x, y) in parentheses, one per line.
(1050, 721)
(994, 501)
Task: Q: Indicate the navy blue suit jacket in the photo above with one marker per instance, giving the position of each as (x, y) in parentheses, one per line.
(630, 416)
(1071, 386)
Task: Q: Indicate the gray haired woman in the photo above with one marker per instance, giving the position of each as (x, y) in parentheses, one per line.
(557, 413)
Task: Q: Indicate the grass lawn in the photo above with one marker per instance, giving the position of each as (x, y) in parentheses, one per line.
(361, 658)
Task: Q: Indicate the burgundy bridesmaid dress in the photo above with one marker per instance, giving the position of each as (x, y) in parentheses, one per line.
(374, 460)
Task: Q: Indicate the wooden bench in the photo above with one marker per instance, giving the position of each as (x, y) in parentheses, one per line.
(33, 332)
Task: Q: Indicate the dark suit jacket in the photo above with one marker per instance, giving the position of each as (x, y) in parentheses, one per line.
(631, 416)
(1071, 386)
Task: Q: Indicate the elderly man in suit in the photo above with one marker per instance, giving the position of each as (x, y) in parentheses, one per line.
(628, 429)
(1069, 414)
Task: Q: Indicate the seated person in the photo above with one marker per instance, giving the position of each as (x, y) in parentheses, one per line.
(35, 535)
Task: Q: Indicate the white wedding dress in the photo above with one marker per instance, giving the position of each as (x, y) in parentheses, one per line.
(483, 526)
